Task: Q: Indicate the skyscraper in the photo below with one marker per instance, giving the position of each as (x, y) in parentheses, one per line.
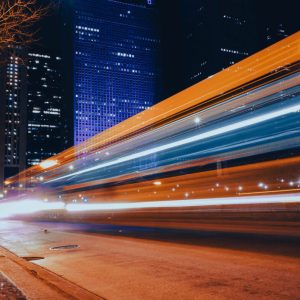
(278, 24)
(44, 107)
(205, 36)
(13, 95)
(116, 50)
(217, 34)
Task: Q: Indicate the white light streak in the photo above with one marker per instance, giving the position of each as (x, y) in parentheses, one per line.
(272, 199)
(195, 138)
(48, 163)
(25, 207)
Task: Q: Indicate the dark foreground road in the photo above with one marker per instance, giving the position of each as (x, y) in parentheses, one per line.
(121, 262)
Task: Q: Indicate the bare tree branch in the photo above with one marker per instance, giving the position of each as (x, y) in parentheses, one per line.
(17, 18)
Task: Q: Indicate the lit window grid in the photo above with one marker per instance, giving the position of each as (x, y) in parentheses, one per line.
(116, 75)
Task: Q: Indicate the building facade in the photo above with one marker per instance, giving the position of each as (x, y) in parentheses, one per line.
(115, 55)
(217, 34)
(45, 121)
(13, 95)
(202, 37)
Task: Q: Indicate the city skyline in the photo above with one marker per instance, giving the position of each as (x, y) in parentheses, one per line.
(103, 103)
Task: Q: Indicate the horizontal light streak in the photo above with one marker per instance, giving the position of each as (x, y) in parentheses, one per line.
(212, 133)
(25, 207)
(274, 191)
(278, 199)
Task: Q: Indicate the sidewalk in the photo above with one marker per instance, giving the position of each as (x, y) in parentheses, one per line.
(8, 290)
(21, 279)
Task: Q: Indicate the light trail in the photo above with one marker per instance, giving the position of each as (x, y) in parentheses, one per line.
(48, 163)
(212, 133)
(209, 145)
(270, 192)
(278, 199)
(25, 207)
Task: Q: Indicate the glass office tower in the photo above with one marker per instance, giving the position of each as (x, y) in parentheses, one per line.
(45, 135)
(13, 88)
(116, 50)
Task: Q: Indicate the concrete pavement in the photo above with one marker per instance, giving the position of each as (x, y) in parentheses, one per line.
(122, 267)
(25, 280)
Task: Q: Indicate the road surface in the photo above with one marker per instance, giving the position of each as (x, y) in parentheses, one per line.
(121, 262)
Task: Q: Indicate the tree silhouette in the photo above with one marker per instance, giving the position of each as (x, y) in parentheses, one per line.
(17, 20)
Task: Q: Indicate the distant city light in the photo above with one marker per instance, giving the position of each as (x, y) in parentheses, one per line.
(157, 182)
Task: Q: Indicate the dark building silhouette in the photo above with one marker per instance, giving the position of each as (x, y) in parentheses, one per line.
(217, 34)
(45, 136)
(13, 129)
(202, 37)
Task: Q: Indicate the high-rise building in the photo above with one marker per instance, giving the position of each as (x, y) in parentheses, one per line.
(115, 57)
(276, 24)
(217, 34)
(44, 107)
(202, 37)
(13, 95)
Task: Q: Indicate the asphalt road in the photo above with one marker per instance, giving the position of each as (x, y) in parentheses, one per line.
(130, 262)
